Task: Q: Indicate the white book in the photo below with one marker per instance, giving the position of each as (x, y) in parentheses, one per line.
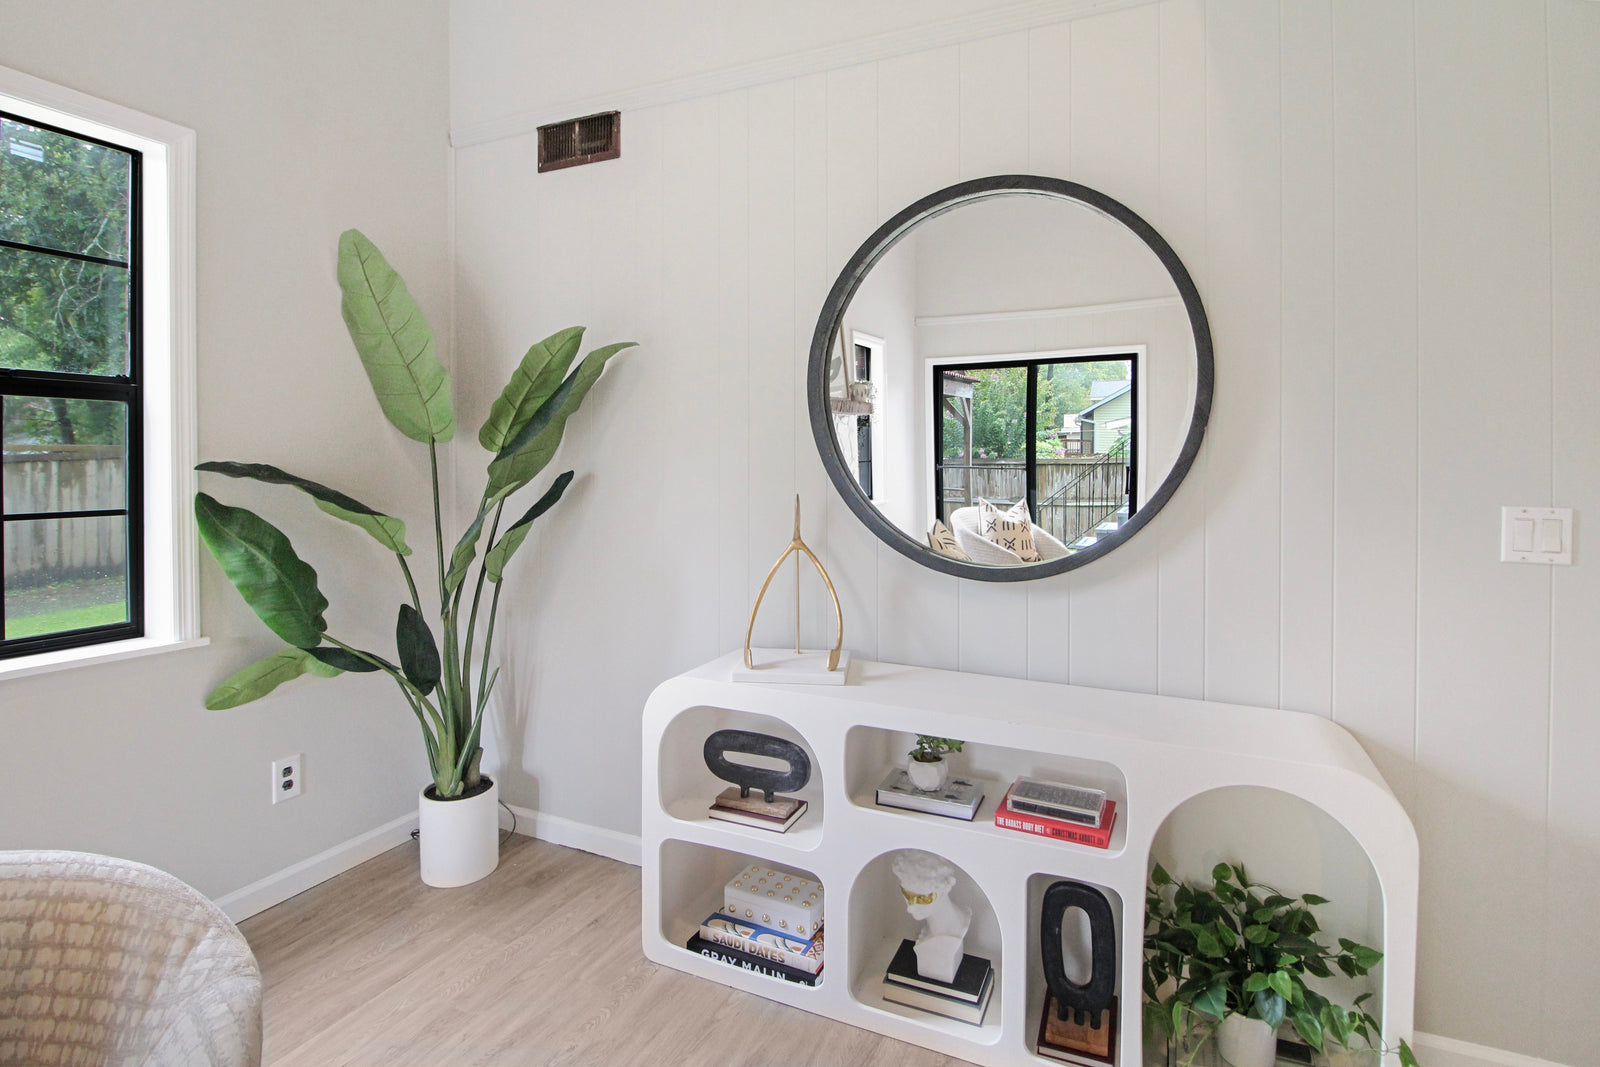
(958, 798)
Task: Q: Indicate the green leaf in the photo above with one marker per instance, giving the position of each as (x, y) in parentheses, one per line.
(1208, 943)
(280, 587)
(495, 560)
(1309, 1027)
(1256, 983)
(346, 660)
(1336, 1024)
(465, 552)
(265, 675)
(527, 451)
(1366, 958)
(535, 379)
(1159, 876)
(1260, 935)
(419, 655)
(1214, 1001)
(1282, 983)
(387, 530)
(1407, 1057)
(1221, 873)
(1269, 1008)
(1313, 899)
(394, 342)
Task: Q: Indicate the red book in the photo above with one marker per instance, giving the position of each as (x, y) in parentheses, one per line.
(1029, 823)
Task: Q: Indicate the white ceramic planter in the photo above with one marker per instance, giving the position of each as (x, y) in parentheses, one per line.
(927, 776)
(1246, 1042)
(460, 839)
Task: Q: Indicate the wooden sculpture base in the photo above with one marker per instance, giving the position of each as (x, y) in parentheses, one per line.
(1067, 1041)
(786, 665)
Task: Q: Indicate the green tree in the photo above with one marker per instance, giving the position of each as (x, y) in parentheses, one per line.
(56, 314)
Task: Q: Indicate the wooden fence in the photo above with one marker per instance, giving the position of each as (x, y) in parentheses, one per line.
(1004, 482)
(54, 478)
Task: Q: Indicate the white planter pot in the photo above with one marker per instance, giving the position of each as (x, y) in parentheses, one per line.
(927, 776)
(460, 839)
(1246, 1042)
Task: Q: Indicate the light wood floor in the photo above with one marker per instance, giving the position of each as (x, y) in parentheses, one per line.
(539, 963)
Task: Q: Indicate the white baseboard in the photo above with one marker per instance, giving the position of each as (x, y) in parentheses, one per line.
(1436, 1051)
(260, 895)
(611, 844)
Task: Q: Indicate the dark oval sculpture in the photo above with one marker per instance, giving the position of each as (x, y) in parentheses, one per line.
(1088, 1000)
(747, 777)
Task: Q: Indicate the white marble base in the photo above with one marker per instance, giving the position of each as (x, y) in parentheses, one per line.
(785, 665)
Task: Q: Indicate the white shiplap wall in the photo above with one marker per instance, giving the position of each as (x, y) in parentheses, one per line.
(1392, 212)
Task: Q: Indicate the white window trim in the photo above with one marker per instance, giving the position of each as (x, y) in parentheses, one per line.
(171, 553)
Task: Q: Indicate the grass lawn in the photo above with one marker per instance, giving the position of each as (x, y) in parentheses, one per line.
(66, 606)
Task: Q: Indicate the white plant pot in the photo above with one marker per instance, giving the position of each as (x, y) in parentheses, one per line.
(460, 839)
(927, 776)
(1246, 1042)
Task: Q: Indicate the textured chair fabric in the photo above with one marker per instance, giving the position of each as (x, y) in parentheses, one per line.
(964, 524)
(109, 962)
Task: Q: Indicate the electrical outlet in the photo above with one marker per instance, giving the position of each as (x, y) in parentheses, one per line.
(288, 777)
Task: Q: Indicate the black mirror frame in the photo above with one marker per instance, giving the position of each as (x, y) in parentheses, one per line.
(885, 238)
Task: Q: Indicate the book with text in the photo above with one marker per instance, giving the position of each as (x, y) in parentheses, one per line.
(1027, 822)
(774, 946)
(745, 961)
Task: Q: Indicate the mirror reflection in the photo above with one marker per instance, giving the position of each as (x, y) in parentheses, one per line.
(1013, 380)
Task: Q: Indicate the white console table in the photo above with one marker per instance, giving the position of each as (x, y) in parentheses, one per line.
(1151, 753)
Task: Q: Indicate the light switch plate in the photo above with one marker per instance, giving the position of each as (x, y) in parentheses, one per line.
(1536, 535)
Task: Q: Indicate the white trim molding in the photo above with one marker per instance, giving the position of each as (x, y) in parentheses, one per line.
(1016, 17)
(612, 844)
(171, 542)
(262, 894)
(1437, 1051)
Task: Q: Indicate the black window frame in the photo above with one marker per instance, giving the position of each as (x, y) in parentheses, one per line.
(127, 389)
(1031, 429)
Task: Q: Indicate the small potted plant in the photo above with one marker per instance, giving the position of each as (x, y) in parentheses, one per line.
(1231, 959)
(927, 765)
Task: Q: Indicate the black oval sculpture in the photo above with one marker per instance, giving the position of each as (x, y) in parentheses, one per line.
(1088, 1000)
(747, 777)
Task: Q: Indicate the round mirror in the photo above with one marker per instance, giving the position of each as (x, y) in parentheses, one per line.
(1010, 378)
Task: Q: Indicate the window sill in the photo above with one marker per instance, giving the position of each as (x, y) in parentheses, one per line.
(45, 662)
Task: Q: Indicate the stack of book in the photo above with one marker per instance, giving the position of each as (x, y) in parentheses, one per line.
(1056, 809)
(958, 798)
(770, 923)
(777, 814)
(965, 999)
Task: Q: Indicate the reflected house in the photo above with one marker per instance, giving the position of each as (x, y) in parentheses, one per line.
(1107, 418)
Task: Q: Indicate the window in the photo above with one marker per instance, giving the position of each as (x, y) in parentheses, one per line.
(1061, 433)
(96, 375)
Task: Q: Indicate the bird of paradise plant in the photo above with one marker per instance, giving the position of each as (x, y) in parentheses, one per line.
(446, 682)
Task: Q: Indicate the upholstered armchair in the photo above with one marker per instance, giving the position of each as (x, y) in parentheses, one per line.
(964, 525)
(109, 962)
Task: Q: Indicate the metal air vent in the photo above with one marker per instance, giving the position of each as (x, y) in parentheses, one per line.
(574, 142)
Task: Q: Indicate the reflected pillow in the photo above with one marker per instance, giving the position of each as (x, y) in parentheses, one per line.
(943, 542)
(1011, 530)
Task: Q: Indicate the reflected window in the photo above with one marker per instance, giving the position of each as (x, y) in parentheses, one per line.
(1060, 433)
(70, 404)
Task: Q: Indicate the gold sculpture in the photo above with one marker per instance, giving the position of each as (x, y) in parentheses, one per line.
(796, 547)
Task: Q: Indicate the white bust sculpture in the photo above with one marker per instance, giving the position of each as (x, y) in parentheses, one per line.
(926, 881)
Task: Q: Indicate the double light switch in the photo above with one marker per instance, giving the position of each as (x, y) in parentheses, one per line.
(1536, 535)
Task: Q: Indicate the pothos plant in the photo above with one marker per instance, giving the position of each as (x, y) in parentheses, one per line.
(932, 749)
(444, 677)
(1238, 946)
